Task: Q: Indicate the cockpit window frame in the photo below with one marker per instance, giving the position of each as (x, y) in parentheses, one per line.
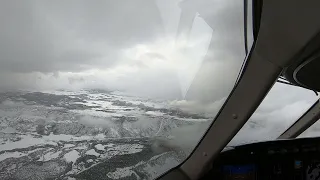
(303, 123)
(261, 65)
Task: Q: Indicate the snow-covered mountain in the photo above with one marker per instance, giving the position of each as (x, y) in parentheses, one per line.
(90, 134)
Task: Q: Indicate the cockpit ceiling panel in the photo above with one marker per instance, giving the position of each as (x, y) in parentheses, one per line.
(308, 73)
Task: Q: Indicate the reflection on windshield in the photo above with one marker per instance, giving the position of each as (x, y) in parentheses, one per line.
(112, 89)
(283, 105)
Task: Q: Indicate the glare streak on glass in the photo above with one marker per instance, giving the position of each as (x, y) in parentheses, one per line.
(249, 25)
(110, 89)
(283, 105)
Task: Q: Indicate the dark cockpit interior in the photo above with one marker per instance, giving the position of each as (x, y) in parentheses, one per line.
(283, 159)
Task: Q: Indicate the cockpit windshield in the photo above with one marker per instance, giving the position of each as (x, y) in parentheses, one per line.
(283, 105)
(112, 89)
(312, 131)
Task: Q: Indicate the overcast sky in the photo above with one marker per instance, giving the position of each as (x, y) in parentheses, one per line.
(126, 45)
(135, 46)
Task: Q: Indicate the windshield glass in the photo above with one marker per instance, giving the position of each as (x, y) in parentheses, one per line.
(283, 105)
(312, 131)
(112, 89)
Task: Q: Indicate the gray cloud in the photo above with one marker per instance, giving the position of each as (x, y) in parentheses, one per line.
(117, 22)
(44, 33)
(48, 36)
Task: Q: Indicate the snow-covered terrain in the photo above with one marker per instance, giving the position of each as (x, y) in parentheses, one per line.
(87, 135)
